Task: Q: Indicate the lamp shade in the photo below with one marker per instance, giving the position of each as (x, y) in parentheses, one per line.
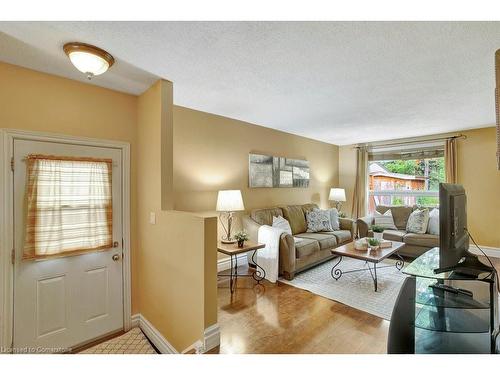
(337, 195)
(229, 200)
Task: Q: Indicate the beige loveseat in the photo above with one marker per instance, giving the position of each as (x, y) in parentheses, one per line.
(310, 248)
(415, 244)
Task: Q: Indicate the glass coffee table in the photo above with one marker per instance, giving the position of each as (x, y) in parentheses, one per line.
(373, 257)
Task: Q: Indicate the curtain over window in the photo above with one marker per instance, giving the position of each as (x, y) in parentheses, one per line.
(69, 206)
(359, 194)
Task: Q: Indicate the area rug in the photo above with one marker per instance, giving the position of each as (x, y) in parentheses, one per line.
(354, 289)
(131, 342)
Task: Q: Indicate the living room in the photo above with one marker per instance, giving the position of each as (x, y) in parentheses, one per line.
(275, 186)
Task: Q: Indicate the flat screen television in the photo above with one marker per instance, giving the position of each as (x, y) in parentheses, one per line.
(453, 236)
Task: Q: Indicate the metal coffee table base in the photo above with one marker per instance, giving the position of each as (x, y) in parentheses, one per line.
(337, 272)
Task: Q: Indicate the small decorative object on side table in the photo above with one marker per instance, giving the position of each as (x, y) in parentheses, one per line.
(233, 250)
(241, 237)
(378, 232)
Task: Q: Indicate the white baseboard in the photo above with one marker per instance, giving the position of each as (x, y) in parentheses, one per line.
(225, 263)
(493, 252)
(211, 337)
(135, 320)
(153, 335)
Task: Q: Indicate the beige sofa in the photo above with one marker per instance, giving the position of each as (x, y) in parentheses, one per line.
(312, 248)
(415, 244)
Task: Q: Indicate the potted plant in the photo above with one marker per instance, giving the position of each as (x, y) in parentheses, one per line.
(373, 243)
(378, 232)
(241, 237)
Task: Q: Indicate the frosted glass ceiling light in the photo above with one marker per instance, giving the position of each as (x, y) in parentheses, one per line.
(88, 59)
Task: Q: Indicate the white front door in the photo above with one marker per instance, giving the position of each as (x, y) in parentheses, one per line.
(63, 302)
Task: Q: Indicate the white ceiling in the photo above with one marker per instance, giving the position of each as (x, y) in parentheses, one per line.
(339, 82)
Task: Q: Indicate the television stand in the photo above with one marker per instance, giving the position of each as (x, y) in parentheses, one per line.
(453, 312)
(469, 265)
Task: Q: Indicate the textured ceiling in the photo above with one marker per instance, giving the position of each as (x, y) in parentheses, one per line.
(339, 82)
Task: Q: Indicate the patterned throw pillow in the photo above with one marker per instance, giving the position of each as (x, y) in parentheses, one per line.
(282, 223)
(385, 221)
(318, 221)
(418, 221)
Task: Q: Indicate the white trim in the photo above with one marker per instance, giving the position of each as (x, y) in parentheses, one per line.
(7, 137)
(197, 347)
(225, 263)
(135, 320)
(211, 338)
(406, 193)
(154, 335)
(493, 252)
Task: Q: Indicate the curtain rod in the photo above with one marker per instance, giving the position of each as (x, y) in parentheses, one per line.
(461, 136)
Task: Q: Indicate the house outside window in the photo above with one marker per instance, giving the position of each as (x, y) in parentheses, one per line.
(405, 177)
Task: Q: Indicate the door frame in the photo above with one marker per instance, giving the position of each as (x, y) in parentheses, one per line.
(7, 137)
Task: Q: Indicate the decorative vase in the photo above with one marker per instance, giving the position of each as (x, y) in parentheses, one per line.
(378, 236)
(241, 243)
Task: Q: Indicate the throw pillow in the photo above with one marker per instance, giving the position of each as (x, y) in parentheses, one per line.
(334, 219)
(318, 221)
(282, 223)
(385, 221)
(418, 221)
(433, 227)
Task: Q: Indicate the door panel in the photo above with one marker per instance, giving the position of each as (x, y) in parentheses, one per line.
(95, 293)
(67, 301)
(51, 305)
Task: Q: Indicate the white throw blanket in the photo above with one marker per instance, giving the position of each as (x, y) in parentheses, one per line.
(268, 257)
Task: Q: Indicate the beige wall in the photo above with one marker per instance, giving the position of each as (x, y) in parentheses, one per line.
(211, 153)
(476, 172)
(42, 102)
(177, 255)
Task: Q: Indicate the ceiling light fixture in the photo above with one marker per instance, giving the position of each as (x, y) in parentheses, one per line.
(88, 59)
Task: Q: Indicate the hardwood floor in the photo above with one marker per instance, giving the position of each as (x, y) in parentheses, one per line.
(278, 318)
(282, 319)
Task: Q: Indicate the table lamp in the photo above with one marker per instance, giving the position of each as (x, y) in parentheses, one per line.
(337, 195)
(228, 201)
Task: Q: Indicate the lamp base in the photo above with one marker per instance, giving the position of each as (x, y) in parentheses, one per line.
(228, 241)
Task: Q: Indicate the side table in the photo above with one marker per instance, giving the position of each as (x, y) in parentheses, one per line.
(233, 251)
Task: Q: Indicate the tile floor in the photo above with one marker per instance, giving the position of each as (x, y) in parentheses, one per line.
(131, 342)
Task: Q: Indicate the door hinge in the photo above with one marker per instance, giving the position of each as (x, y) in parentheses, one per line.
(13, 256)
(12, 164)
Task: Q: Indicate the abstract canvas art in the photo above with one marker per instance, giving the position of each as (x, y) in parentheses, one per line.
(274, 171)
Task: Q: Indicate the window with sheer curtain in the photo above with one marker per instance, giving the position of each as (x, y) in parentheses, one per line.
(69, 206)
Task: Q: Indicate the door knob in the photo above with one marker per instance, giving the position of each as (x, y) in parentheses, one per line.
(115, 257)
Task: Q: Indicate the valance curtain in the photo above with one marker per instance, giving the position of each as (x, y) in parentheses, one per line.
(450, 160)
(68, 206)
(360, 186)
